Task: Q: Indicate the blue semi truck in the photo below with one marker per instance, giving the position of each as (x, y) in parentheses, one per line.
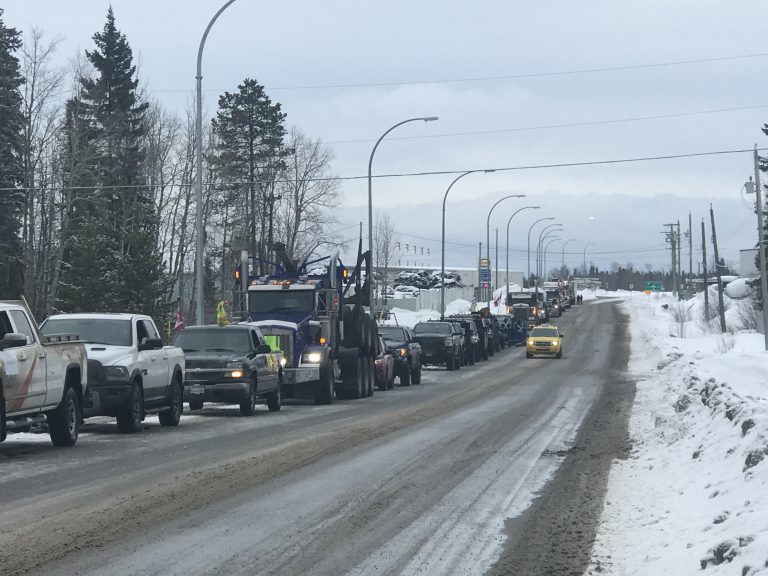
(314, 312)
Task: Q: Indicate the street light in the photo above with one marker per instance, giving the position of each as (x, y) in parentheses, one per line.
(488, 226)
(370, 203)
(199, 232)
(529, 245)
(442, 239)
(508, 223)
(544, 231)
(544, 253)
(562, 261)
(587, 245)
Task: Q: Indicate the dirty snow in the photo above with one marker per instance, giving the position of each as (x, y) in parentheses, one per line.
(692, 496)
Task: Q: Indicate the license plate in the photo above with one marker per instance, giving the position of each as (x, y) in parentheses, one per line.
(196, 389)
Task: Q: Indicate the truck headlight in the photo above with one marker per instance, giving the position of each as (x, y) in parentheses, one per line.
(236, 374)
(116, 371)
(402, 352)
(313, 357)
(283, 361)
(447, 342)
(530, 342)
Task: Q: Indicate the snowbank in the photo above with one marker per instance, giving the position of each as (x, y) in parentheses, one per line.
(693, 493)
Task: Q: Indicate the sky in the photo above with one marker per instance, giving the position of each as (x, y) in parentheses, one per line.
(503, 77)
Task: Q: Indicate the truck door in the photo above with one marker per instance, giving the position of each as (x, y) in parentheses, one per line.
(266, 366)
(153, 366)
(30, 359)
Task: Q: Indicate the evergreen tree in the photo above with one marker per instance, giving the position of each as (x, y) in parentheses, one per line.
(11, 168)
(111, 260)
(250, 152)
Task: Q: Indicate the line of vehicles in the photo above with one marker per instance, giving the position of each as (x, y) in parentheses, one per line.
(303, 332)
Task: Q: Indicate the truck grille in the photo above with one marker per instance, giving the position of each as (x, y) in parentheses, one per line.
(541, 343)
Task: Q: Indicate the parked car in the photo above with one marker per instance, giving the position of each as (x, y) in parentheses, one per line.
(42, 378)
(231, 364)
(471, 341)
(385, 367)
(406, 352)
(458, 330)
(439, 344)
(483, 330)
(130, 372)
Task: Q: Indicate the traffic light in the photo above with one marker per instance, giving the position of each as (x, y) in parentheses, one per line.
(237, 276)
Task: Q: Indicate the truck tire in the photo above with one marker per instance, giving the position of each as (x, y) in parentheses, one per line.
(3, 433)
(416, 375)
(351, 376)
(405, 377)
(371, 370)
(172, 416)
(451, 363)
(248, 406)
(130, 415)
(275, 400)
(353, 319)
(64, 421)
(326, 390)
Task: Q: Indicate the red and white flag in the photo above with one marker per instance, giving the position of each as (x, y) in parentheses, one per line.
(497, 302)
(179, 321)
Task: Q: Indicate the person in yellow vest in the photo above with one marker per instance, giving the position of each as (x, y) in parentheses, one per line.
(221, 314)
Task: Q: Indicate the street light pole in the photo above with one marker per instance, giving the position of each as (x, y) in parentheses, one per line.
(199, 232)
(544, 232)
(544, 252)
(529, 246)
(515, 213)
(760, 245)
(370, 204)
(587, 245)
(488, 226)
(562, 261)
(442, 238)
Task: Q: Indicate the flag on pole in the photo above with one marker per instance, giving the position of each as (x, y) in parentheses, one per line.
(473, 307)
(497, 302)
(179, 321)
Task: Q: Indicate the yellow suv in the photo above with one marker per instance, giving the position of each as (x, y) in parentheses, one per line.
(544, 339)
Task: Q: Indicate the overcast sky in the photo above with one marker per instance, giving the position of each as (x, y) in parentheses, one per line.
(425, 51)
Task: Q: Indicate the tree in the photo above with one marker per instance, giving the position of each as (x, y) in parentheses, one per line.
(111, 260)
(307, 193)
(384, 243)
(11, 165)
(249, 156)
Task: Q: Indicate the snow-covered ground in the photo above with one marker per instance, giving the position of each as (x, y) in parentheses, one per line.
(692, 495)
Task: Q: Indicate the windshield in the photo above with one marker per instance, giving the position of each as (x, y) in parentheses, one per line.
(281, 301)
(544, 333)
(395, 333)
(92, 330)
(439, 328)
(214, 340)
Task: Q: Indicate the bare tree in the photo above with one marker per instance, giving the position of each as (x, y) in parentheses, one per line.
(307, 192)
(384, 243)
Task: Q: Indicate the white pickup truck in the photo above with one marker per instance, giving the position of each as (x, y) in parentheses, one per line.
(42, 379)
(130, 372)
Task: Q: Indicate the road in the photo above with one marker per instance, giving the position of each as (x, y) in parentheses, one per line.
(439, 478)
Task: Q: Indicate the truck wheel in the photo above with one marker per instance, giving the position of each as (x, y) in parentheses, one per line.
(416, 375)
(64, 421)
(405, 377)
(195, 404)
(130, 414)
(325, 393)
(172, 415)
(371, 370)
(3, 433)
(459, 361)
(275, 400)
(451, 363)
(248, 406)
(391, 381)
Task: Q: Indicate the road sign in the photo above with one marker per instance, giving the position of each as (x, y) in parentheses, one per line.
(653, 285)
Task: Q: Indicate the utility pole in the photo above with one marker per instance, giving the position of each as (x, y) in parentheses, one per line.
(671, 238)
(704, 258)
(479, 283)
(271, 199)
(720, 304)
(761, 244)
(497, 259)
(679, 264)
(690, 255)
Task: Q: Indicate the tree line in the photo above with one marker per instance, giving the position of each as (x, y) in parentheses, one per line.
(97, 183)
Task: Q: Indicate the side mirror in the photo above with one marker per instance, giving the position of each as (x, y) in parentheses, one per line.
(13, 340)
(150, 344)
(562, 335)
(264, 349)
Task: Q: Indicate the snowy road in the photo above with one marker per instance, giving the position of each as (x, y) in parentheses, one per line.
(418, 480)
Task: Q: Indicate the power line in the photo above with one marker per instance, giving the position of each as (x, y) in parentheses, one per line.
(413, 174)
(578, 71)
(555, 126)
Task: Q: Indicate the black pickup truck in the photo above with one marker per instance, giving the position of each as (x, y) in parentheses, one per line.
(231, 364)
(439, 344)
(407, 352)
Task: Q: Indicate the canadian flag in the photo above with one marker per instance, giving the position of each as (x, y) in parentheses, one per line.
(179, 321)
(497, 302)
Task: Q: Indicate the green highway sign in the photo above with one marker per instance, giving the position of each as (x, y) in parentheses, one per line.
(653, 285)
